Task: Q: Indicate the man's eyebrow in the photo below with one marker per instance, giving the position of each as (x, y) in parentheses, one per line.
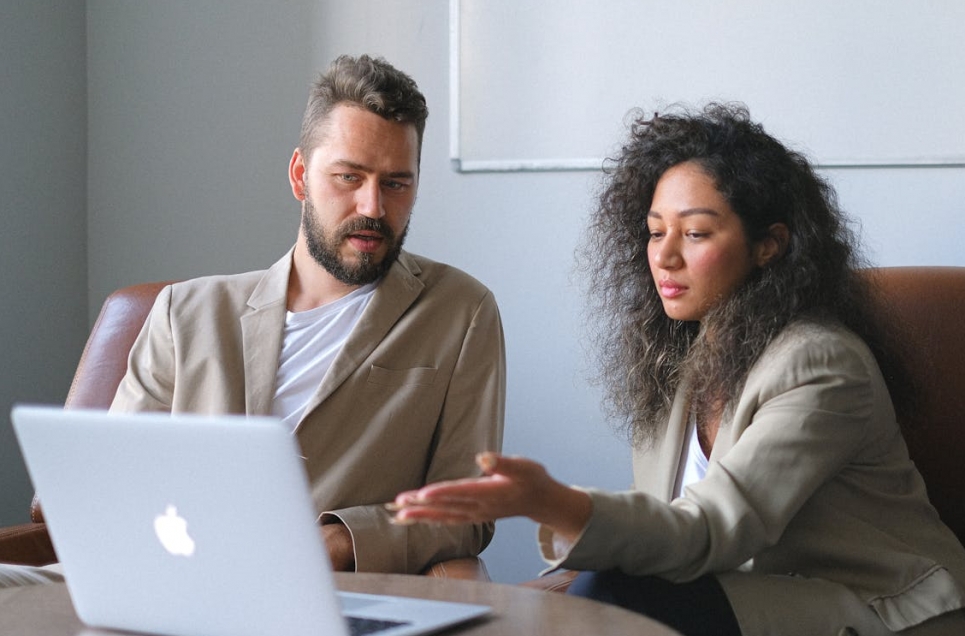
(688, 212)
(353, 165)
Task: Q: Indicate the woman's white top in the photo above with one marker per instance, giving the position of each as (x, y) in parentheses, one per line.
(693, 462)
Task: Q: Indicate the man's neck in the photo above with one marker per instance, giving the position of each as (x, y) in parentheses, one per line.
(310, 285)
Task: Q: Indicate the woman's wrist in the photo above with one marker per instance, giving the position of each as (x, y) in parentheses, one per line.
(566, 511)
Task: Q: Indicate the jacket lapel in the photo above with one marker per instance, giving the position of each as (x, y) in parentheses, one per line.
(392, 298)
(262, 329)
(655, 466)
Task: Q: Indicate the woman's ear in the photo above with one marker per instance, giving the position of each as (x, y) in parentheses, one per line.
(773, 245)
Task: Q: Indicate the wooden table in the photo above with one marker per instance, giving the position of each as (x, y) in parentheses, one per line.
(45, 610)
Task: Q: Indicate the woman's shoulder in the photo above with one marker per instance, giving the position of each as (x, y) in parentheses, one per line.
(812, 334)
(820, 366)
(810, 347)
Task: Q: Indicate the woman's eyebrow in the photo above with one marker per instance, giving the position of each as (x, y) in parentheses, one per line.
(688, 212)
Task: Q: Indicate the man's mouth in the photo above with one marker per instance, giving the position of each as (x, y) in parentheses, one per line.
(366, 241)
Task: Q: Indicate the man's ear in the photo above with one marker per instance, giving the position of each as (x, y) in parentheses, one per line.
(296, 174)
(773, 245)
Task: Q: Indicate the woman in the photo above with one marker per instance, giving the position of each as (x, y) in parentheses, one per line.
(773, 489)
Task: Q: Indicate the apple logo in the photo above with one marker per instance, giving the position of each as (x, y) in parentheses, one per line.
(172, 531)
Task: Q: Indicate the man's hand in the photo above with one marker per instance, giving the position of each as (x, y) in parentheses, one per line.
(341, 550)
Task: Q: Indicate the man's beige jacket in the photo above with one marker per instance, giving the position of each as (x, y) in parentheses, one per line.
(417, 390)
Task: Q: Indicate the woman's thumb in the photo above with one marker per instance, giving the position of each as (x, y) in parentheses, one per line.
(488, 461)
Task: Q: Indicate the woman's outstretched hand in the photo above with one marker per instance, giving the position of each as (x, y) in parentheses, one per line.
(510, 487)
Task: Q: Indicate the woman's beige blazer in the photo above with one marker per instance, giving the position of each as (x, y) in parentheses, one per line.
(810, 506)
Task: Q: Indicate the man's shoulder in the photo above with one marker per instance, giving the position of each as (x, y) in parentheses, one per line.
(215, 291)
(219, 283)
(440, 276)
(272, 280)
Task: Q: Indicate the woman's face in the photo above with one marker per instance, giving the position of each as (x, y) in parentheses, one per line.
(698, 251)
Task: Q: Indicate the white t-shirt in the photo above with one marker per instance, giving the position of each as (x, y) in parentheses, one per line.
(693, 462)
(312, 340)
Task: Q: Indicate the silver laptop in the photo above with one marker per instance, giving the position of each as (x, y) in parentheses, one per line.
(196, 526)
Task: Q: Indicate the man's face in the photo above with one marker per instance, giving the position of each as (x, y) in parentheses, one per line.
(359, 186)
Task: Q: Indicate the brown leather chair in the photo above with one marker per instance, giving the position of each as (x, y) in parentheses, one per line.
(926, 309)
(101, 367)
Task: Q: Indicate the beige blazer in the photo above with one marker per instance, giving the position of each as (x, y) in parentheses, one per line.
(417, 390)
(809, 480)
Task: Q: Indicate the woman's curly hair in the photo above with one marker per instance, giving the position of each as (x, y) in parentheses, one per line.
(644, 354)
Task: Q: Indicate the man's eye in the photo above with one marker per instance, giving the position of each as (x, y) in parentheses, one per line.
(348, 178)
(395, 185)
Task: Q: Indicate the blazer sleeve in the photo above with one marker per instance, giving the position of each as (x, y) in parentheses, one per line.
(148, 384)
(471, 421)
(807, 409)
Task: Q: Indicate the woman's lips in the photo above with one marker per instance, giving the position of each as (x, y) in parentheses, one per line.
(670, 289)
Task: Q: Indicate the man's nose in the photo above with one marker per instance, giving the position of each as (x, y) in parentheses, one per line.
(369, 201)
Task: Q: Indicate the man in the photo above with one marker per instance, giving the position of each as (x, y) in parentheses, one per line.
(389, 367)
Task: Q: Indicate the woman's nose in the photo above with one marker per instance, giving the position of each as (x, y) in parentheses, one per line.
(666, 254)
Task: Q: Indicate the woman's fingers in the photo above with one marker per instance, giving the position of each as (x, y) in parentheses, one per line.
(442, 510)
(507, 489)
(487, 462)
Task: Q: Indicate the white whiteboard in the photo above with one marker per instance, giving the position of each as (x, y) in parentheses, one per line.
(547, 84)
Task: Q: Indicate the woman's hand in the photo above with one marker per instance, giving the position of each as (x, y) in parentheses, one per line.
(511, 487)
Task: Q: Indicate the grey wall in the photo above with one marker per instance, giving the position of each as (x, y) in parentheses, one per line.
(43, 238)
(193, 112)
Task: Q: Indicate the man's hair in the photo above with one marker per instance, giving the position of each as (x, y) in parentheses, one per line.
(368, 83)
(644, 354)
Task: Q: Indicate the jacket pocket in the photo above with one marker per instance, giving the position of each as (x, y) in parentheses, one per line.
(931, 595)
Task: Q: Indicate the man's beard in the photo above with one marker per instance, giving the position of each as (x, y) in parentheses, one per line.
(325, 249)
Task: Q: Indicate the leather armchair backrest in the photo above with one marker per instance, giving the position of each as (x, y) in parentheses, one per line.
(927, 308)
(104, 361)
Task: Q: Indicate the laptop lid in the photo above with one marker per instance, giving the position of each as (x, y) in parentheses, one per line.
(193, 525)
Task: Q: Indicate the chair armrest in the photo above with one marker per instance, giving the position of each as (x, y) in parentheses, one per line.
(26, 544)
(471, 568)
(558, 581)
